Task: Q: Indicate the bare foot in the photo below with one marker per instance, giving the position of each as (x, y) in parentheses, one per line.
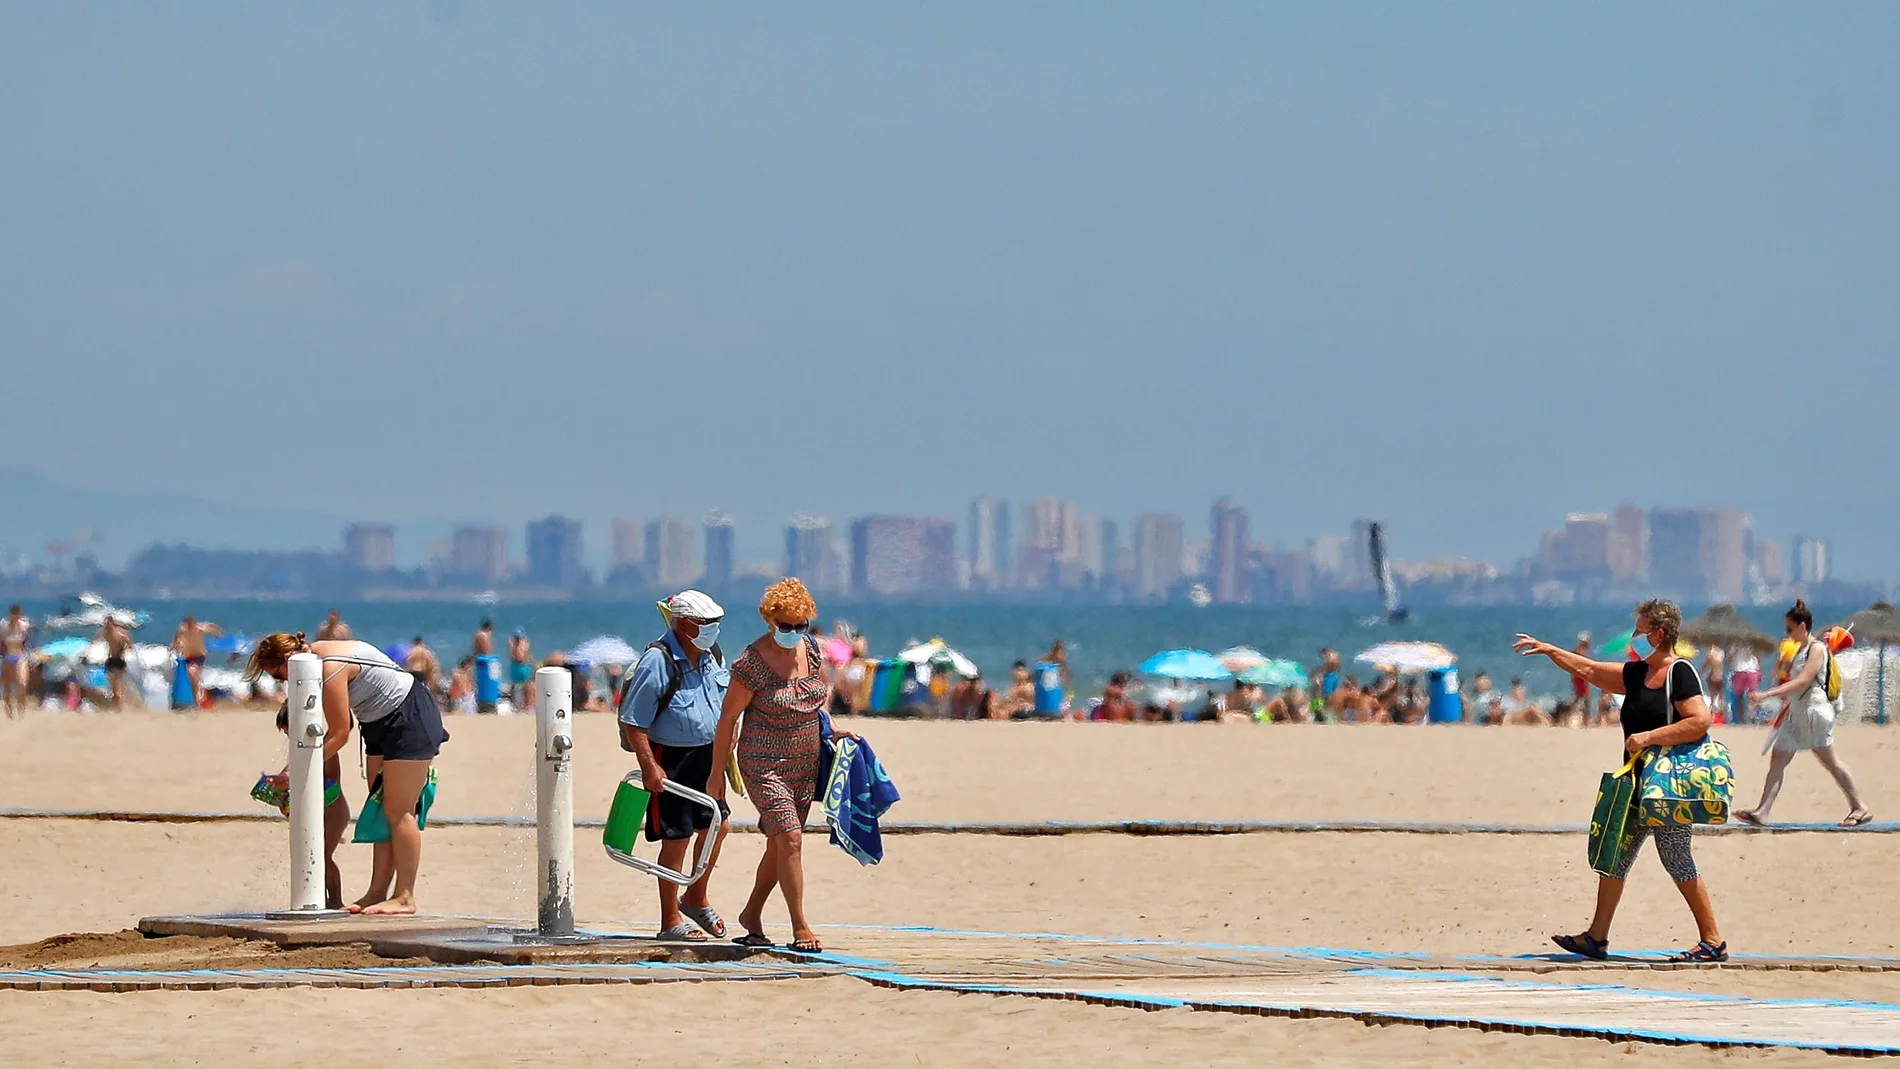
(400, 904)
(361, 905)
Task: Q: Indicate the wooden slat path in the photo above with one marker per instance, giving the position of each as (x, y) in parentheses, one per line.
(1490, 1004)
(448, 976)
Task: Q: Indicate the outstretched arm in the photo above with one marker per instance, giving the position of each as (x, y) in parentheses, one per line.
(1603, 675)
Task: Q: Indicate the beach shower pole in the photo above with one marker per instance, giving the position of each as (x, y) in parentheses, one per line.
(554, 802)
(306, 728)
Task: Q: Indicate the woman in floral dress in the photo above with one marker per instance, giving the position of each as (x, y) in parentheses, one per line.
(778, 685)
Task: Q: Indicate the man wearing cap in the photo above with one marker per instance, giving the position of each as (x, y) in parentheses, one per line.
(668, 716)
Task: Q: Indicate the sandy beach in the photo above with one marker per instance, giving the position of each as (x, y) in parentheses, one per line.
(1438, 894)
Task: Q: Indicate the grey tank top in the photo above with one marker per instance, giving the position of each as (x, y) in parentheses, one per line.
(378, 688)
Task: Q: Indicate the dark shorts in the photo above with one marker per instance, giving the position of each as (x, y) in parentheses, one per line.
(196, 662)
(115, 664)
(673, 817)
(413, 732)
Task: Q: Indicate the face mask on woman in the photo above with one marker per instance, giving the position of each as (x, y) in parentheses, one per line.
(1643, 645)
(787, 639)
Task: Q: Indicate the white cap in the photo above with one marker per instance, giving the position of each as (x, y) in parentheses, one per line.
(692, 604)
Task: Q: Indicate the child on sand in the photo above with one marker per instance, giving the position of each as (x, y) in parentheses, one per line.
(275, 790)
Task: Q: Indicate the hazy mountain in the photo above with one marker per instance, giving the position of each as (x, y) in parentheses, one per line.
(35, 510)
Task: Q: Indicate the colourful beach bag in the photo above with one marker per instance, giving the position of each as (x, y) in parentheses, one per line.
(1613, 822)
(1689, 783)
(1686, 784)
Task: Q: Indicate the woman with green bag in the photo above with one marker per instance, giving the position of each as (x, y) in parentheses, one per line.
(1650, 687)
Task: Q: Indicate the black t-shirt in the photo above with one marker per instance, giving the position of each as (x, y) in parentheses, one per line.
(1645, 709)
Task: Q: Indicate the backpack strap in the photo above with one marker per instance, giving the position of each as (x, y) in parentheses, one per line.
(673, 675)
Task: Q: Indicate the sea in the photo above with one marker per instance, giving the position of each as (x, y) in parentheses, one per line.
(1101, 639)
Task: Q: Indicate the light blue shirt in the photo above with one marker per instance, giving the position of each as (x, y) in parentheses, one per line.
(692, 717)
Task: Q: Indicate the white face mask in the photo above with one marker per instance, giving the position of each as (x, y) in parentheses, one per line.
(708, 637)
(787, 639)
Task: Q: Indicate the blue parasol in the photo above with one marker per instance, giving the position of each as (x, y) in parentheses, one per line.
(1185, 664)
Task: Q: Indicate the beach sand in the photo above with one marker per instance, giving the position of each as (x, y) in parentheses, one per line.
(1441, 894)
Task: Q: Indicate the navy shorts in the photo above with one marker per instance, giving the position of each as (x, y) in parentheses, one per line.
(670, 816)
(412, 732)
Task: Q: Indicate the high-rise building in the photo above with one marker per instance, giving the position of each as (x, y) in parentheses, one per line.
(719, 560)
(1811, 564)
(1329, 555)
(370, 547)
(479, 554)
(1357, 572)
(902, 556)
(1158, 555)
(1581, 552)
(1698, 553)
(1227, 555)
(1108, 566)
(1771, 561)
(1629, 546)
(1283, 578)
(629, 544)
(672, 558)
(554, 553)
(1052, 537)
(991, 554)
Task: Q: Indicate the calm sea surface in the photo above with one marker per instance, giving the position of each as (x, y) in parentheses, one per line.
(1101, 639)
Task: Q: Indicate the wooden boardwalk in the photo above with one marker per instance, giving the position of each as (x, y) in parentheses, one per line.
(1490, 993)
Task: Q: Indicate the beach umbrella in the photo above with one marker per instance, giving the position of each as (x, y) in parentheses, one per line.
(1408, 656)
(937, 654)
(1240, 658)
(1198, 665)
(604, 649)
(1722, 626)
(1274, 674)
(64, 649)
(1878, 623)
(1618, 647)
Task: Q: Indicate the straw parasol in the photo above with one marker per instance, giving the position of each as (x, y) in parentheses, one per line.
(1722, 626)
(1878, 623)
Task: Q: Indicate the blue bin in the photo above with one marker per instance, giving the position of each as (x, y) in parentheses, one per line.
(487, 683)
(182, 696)
(1446, 705)
(1049, 688)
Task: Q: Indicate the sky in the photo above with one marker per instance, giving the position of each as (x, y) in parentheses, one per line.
(1465, 267)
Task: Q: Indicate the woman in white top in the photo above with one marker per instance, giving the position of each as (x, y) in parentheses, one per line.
(1807, 724)
(402, 733)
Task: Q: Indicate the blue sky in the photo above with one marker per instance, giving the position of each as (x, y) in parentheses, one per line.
(1463, 266)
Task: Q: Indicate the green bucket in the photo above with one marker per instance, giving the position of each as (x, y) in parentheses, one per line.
(626, 817)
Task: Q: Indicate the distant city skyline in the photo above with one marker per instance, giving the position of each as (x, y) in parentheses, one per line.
(1037, 549)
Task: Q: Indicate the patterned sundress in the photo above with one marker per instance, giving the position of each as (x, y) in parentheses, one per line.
(778, 739)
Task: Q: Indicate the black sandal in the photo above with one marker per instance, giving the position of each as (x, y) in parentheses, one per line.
(1704, 953)
(1584, 944)
(806, 946)
(754, 940)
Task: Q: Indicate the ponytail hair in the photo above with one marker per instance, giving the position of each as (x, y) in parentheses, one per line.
(1800, 614)
(272, 651)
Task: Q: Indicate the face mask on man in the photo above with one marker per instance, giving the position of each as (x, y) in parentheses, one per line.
(708, 637)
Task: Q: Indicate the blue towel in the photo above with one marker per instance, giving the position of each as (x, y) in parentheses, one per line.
(857, 793)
